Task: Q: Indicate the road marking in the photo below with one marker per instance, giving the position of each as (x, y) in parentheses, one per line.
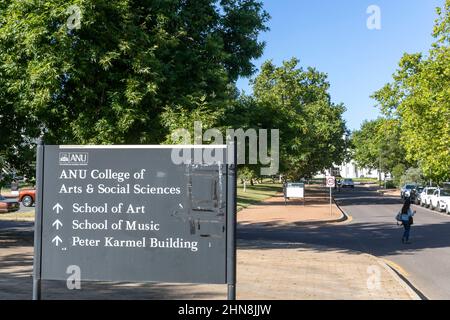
(396, 272)
(397, 267)
(349, 219)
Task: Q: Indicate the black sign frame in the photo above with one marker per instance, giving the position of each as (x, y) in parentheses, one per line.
(231, 218)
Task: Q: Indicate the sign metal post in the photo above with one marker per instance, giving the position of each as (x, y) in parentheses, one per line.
(38, 221)
(331, 205)
(231, 224)
(331, 182)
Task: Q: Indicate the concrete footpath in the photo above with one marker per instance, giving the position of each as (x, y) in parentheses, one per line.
(300, 271)
(266, 269)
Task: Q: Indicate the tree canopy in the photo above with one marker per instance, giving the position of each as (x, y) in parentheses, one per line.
(376, 146)
(134, 71)
(110, 80)
(297, 102)
(417, 102)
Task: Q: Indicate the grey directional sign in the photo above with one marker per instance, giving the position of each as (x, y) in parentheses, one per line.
(133, 213)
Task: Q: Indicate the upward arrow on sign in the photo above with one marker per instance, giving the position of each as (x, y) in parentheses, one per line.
(57, 224)
(57, 240)
(57, 207)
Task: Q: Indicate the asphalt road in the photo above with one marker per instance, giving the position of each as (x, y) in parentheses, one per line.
(425, 262)
(16, 232)
(25, 209)
(373, 230)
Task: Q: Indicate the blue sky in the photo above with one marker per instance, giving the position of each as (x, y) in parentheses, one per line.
(332, 36)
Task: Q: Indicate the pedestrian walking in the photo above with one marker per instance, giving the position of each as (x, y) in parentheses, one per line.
(405, 218)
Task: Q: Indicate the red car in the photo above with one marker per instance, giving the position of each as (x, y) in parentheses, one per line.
(27, 197)
(8, 205)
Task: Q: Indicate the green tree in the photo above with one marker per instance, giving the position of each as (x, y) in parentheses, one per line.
(297, 102)
(113, 79)
(376, 146)
(2, 167)
(397, 172)
(247, 113)
(365, 149)
(412, 175)
(419, 98)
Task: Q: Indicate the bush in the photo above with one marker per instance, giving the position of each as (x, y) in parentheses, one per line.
(390, 184)
(412, 175)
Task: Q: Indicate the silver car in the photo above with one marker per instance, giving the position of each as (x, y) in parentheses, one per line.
(405, 191)
(348, 183)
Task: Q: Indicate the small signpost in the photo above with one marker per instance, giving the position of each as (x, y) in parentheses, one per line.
(294, 190)
(331, 182)
(132, 213)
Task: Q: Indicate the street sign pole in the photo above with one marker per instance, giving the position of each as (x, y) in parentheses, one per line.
(331, 182)
(38, 221)
(331, 205)
(231, 224)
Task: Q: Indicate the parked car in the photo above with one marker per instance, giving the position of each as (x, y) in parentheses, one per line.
(425, 197)
(8, 205)
(416, 194)
(440, 200)
(27, 197)
(347, 183)
(445, 202)
(405, 191)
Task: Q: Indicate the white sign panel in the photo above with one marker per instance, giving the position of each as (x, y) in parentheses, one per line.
(295, 190)
(331, 181)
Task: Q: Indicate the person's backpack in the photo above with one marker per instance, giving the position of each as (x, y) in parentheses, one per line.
(398, 217)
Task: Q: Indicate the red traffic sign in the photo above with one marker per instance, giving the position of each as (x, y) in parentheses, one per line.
(331, 181)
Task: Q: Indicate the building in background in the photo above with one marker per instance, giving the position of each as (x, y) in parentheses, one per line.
(351, 170)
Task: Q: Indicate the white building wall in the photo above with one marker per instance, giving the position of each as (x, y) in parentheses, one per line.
(351, 170)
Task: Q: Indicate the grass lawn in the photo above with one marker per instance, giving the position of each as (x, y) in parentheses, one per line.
(256, 193)
(5, 191)
(18, 216)
(365, 179)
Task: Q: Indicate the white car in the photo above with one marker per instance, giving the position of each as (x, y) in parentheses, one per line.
(425, 196)
(440, 200)
(445, 205)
